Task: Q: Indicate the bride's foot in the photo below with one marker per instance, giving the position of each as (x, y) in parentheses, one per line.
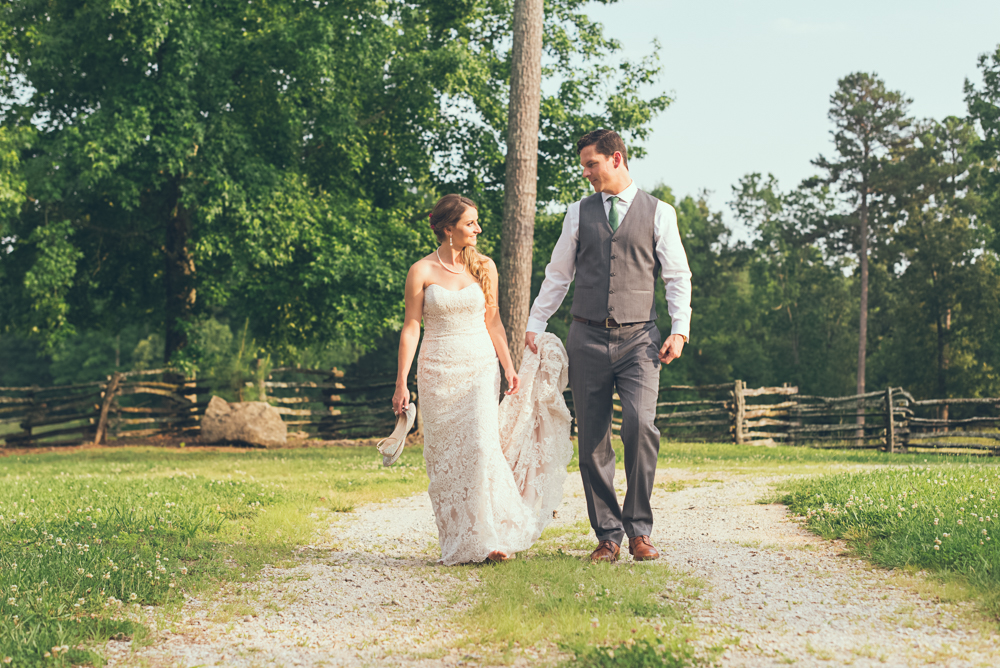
(496, 556)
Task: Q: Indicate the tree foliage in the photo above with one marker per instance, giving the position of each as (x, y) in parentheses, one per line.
(270, 160)
(984, 112)
(257, 175)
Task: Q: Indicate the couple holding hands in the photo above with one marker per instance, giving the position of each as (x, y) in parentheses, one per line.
(497, 469)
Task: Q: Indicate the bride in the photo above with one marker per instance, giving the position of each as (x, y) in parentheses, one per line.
(496, 471)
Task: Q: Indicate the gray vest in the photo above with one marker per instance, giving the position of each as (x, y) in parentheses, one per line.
(616, 271)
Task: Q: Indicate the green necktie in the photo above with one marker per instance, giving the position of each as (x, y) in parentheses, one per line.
(613, 214)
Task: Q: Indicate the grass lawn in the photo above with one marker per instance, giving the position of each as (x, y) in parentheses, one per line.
(781, 460)
(944, 519)
(551, 600)
(88, 537)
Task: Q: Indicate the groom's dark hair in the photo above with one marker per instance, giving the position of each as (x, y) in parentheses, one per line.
(605, 142)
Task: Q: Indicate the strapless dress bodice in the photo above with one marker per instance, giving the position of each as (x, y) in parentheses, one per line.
(451, 313)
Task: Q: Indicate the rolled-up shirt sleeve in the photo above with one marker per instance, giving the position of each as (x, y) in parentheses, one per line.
(674, 268)
(559, 273)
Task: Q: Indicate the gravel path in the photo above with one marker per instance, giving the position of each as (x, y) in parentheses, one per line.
(368, 594)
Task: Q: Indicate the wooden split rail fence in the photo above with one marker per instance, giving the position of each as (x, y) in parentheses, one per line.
(328, 405)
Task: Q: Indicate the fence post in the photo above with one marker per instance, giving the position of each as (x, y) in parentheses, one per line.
(890, 427)
(110, 390)
(261, 389)
(739, 406)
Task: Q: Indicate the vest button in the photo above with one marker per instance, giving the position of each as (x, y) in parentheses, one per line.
(611, 308)
(611, 292)
(613, 257)
(614, 241)
(612, 273)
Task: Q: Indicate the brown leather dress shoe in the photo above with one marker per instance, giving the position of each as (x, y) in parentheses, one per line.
(607, 551)
(641, 549)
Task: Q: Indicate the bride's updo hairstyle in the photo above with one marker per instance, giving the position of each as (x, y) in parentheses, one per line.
(446, 213)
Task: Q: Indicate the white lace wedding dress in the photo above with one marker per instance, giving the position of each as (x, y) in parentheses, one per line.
(496, 472)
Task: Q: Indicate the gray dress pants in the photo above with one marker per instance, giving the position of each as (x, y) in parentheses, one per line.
(600, 362)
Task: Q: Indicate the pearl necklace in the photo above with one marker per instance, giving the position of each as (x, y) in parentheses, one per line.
(438, 253)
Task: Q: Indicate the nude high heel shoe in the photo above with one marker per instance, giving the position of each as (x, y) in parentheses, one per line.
(392, 447)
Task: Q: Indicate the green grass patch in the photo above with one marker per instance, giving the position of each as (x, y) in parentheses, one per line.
(944, 519)
(551, 599)
(554, 598)
(89, 536)
(671, 486)
(779, 460)
(672, 653)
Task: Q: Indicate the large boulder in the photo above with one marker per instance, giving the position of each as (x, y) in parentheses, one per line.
(252, 422)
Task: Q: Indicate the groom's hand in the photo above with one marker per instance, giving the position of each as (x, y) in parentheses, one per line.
(529, 342)
(672, 348)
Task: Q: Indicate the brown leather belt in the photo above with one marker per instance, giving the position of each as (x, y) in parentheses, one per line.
(608, 323)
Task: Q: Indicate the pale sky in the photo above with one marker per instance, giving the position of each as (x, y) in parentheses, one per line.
(752, 80)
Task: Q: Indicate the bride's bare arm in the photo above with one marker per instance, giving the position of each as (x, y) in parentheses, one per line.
(409, 337)
(499, 335)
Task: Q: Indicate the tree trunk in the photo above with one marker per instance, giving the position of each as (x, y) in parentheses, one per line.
(518, 231)
(863, 315)
(178, 276)
(943, 327)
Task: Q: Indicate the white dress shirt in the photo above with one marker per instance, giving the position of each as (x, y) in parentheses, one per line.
(673, 264)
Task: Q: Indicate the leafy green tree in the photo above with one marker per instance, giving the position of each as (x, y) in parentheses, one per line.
(984, 111)
(270, 161)
(720, 348)
(938, 312)
(870, 123)
(801, 297)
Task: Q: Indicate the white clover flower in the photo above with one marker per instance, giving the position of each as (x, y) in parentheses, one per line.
(132, 597)
(937, 547)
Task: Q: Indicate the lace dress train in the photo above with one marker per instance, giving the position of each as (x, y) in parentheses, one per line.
(496, 471)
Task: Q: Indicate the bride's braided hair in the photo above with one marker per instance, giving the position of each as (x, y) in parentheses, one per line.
(446, 213)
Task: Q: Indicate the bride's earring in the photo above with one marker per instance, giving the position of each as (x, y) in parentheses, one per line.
(450, 243)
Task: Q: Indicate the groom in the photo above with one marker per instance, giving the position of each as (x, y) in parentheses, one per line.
(614, 244)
